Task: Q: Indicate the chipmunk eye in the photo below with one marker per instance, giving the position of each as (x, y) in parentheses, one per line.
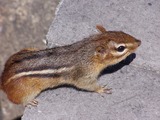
(120, 48)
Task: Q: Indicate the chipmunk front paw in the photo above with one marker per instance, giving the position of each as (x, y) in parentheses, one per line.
(103, 89)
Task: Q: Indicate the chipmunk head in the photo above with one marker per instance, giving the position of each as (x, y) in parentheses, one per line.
(115, 46)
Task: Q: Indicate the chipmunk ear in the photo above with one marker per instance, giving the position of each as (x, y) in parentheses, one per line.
(101, 52)
(101, 29)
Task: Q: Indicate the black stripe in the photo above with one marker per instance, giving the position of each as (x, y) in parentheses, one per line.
(44, 75)
(28, 58)
(56, 51)
(35, 55)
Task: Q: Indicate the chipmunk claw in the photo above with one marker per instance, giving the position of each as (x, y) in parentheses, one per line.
(104, 90)
(33, 103)
(108, 90)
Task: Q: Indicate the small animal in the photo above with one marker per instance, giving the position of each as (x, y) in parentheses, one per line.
(30, 71)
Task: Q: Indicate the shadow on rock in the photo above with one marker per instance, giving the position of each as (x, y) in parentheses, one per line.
(116, 67)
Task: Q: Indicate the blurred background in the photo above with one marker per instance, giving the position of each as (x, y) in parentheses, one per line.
(23, 24)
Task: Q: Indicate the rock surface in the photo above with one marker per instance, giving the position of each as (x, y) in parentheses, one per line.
(23, 24)
(135, 86)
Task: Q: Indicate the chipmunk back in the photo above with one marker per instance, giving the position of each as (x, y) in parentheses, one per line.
(31, 71)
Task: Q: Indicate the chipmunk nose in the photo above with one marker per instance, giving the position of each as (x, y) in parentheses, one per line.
(138, 42)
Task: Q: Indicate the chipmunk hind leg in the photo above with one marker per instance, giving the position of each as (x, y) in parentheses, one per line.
(22, 92)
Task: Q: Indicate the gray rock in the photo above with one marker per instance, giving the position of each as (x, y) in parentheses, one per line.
(136, 87)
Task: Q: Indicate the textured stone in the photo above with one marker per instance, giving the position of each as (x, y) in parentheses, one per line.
(135, 86)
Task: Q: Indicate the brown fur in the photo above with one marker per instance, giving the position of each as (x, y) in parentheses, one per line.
(78, 64)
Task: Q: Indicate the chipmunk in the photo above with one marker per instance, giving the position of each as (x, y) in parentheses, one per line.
(31, 71)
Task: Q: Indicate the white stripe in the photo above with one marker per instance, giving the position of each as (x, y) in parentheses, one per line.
(48, 71)
(129, 44)
(117, 45)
